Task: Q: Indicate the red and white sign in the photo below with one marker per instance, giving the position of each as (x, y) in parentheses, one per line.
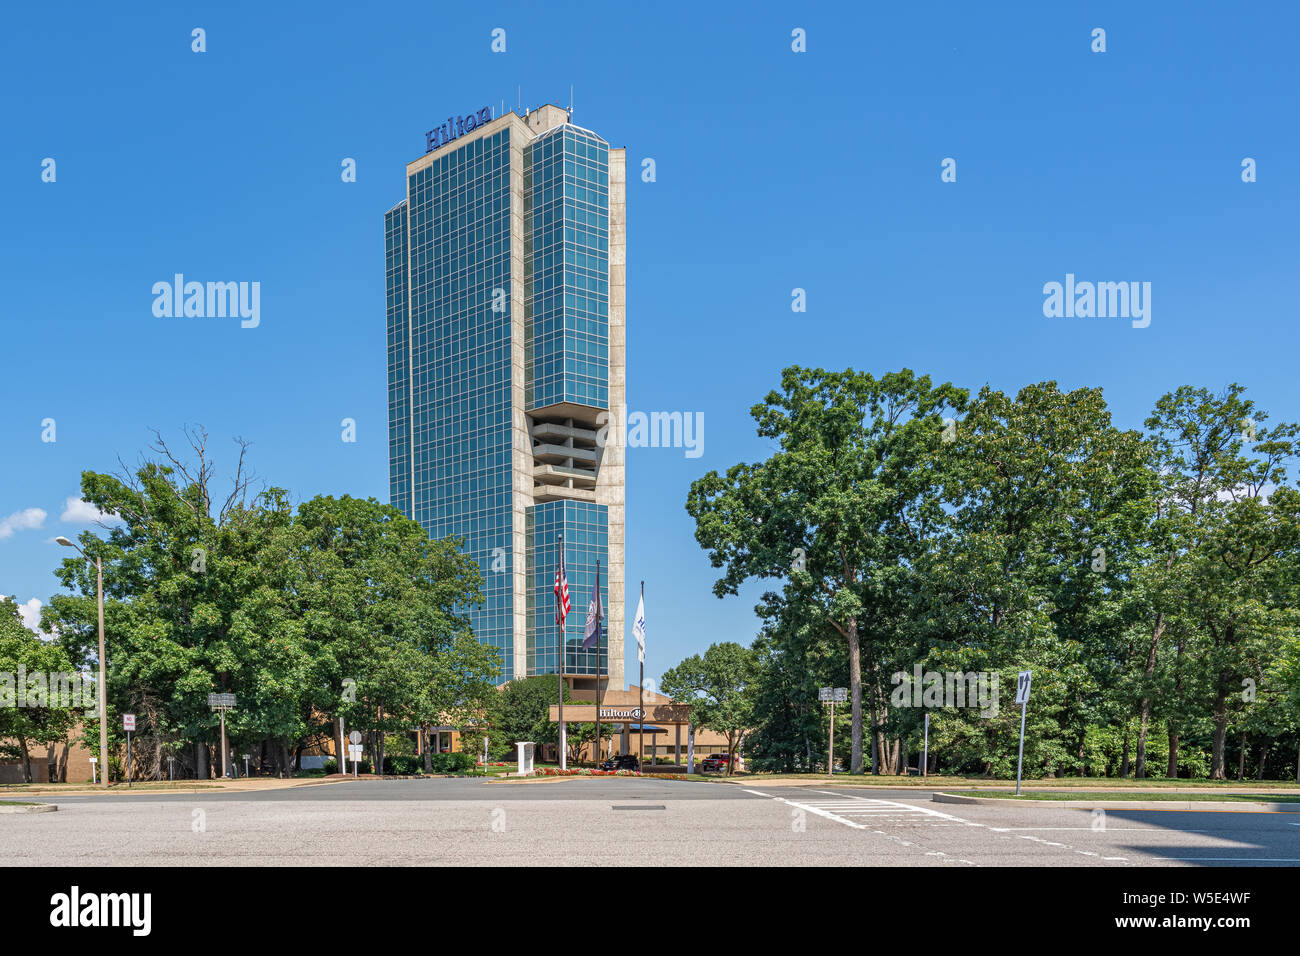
(128, 721)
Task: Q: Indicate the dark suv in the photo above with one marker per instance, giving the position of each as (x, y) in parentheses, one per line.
(621, 762)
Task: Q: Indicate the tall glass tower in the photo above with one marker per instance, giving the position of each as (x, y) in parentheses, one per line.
(505, 285)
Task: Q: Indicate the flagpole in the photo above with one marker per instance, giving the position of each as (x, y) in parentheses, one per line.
(640, 696)
(596, 749)
(559, 620)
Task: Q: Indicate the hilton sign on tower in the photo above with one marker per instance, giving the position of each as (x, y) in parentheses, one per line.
(455, 127)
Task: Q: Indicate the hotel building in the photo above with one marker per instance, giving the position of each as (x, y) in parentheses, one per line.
(505, 291)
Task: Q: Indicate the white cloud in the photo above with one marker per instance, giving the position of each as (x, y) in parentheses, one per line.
(21, 521)
(1237, 494)
(30, 612)
(77, 511)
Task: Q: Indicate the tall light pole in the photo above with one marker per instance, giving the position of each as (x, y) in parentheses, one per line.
(103, 677)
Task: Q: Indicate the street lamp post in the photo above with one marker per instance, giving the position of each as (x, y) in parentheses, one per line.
(103, 666)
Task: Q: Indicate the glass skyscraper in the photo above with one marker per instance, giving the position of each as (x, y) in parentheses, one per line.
(505, 288)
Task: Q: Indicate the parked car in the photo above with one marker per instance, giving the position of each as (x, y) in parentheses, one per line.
(621, 762)
(715, 763)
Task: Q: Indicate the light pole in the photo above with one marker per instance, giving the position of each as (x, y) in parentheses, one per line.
(103, 666)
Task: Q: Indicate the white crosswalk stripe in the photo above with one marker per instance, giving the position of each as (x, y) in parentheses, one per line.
(871, 813)
(866, 813)
(856, 811)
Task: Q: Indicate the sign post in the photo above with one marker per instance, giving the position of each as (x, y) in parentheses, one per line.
(1022, 698)
(832, 695)
(94, 777)
(128, 724)
(354, 751)
(222, 703)
(925, 749)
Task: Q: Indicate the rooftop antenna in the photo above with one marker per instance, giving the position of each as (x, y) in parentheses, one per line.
(519, 98)
(570, 101)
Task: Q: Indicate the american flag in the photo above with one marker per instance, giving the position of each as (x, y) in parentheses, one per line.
(562, 605)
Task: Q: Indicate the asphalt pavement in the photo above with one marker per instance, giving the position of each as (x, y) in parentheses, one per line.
(625, 821)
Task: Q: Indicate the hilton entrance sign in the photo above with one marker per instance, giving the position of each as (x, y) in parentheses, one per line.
(655, 714)
(624, 713)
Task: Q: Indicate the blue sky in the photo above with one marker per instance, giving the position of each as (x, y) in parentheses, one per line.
(775, 170)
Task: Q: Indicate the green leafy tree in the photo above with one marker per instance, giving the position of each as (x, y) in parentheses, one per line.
(523, 710)
(43, 720)
(341, 609)
(720, 688)
(1230, 527)
(1047, 501)
(839, 510)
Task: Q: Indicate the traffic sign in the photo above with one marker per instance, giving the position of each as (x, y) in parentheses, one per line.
(836, 695)
(1022, 698)
(354, 752)
(128, 721)
(355, 736)
(1022, 686)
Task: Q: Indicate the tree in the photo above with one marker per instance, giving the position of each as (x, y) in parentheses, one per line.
(378, 600)
(346, 607)
(719, 687)
(1045, 499)
(1230, 525)
(33, 714)
(458, 681)
(523, 710)
(839, 510)
(794, 655)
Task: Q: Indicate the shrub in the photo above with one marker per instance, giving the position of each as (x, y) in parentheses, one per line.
(399, 745)
(457, 762)
(403, 764)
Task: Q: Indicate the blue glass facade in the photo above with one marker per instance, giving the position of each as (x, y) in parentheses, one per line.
(484, 230)
(585, 527)
(460, 367)
(566, 229)
(399, 380)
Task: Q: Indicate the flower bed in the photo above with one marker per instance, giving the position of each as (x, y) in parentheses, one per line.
(588, 772)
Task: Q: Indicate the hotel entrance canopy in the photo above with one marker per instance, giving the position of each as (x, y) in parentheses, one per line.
(626, 707)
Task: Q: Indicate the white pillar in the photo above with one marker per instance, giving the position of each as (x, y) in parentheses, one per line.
(690, 748)
(525, 758)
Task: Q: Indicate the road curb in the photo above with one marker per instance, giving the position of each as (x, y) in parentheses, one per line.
(1242, 806)
(31, 808)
